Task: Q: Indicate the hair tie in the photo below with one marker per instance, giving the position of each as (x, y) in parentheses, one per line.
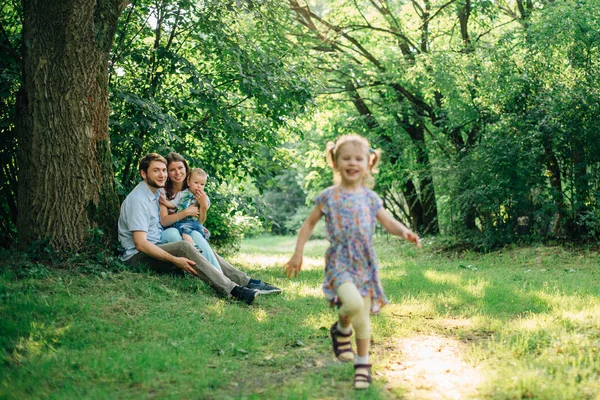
(371, 150)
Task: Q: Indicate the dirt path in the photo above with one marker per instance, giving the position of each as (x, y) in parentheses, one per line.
(430, 367)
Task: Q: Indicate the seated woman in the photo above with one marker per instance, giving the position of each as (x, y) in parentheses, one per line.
(178, 171)
(177, 182)
(196, 182)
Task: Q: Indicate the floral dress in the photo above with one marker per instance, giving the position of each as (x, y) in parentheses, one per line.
(350, 224)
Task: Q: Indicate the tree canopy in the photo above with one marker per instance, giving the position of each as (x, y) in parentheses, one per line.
(486, 112)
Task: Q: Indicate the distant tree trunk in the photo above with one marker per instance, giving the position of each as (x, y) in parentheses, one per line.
(554, 175)
(429, 220)
(66, 182)
(581, 184)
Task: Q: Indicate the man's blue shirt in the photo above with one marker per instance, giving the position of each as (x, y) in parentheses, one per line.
(139, 212)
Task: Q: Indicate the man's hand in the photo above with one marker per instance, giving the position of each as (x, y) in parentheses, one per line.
(150, 249)
(185, 264)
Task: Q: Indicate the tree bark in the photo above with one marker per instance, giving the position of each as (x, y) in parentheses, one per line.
(66, 182)
(554, 176)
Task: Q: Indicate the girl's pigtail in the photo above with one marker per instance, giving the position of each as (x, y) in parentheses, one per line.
(375, 158)
(330, 156)
(329, 153)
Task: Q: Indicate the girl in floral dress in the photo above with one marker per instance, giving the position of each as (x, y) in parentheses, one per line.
(351, 278)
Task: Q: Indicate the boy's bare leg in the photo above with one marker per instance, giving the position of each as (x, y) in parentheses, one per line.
(187, 238)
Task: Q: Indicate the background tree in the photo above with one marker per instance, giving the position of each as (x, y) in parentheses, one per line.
(65, 183)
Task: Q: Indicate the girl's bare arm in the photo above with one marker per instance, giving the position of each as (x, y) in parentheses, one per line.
(396, 227)
(293, 266)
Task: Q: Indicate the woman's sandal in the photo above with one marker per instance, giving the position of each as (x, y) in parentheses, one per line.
(342, 350)
(362, 380)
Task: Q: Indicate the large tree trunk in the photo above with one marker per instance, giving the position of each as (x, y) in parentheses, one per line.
(66, 183)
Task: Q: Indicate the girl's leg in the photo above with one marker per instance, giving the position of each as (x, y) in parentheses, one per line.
(352, 304)
(206, 250)
(362, 326)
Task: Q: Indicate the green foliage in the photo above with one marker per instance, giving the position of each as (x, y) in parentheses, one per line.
(10, 80)
(283, 201)
(226, 232)
(538, 97)
(484, 110)
(214, 81)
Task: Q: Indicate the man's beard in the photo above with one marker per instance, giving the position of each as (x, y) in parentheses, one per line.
(153, 184)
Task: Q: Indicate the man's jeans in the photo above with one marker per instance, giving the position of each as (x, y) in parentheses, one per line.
(223, 282)
(171, 235)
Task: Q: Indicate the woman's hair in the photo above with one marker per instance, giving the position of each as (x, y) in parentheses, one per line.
(373, 156)
(175, 157)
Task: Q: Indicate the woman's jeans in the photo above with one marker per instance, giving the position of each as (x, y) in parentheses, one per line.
(170, 235)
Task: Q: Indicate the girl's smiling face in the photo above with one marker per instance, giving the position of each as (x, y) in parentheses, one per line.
(352, 163)
(177, 172)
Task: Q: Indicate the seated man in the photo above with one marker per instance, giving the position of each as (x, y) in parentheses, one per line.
(139, 234)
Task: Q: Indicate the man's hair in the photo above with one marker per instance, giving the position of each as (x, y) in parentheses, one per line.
(148, 158)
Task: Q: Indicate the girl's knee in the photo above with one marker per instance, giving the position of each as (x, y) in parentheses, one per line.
(351, 307)
(352, 301)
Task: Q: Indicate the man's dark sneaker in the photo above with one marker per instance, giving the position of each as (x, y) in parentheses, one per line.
(262, 287)
(244, 294)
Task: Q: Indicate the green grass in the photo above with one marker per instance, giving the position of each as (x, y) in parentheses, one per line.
(526, 320)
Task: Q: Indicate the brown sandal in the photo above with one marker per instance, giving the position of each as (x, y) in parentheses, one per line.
(362, 381)
(343, 351)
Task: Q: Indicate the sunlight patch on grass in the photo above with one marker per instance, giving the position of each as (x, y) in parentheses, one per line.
(443, 277)
(592, 314)
(298, 289)
(560, 301)
(532, 324)
(41, 341)
(310, 291)
(276, 261)
(261, 259)
(476, 289)
(260, 315)
(216, 308)
(282, 245)
(412, 307)
(393, 265)
(313, 263)
(320, 321)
